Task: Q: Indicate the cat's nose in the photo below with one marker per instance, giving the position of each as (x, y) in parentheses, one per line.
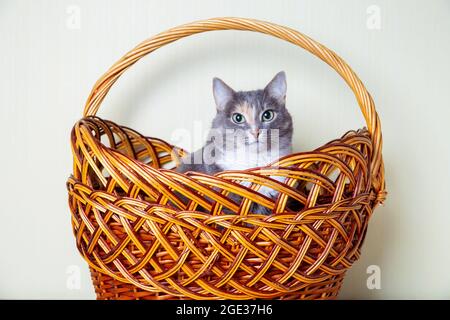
(255, 133)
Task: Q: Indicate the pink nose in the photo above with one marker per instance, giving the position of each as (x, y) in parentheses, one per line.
(255, 133)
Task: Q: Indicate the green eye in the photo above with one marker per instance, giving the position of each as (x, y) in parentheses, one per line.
(238, 118)
(268, 115)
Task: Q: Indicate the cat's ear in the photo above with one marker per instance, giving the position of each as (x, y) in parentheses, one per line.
(222, 93)
(277, 87)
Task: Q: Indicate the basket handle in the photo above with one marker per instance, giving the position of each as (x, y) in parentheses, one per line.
(364, 99)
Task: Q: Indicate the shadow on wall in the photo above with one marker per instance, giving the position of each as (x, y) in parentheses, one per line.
(365, 279)
(375, 269)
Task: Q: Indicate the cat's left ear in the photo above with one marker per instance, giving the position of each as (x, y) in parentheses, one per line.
(277, 87)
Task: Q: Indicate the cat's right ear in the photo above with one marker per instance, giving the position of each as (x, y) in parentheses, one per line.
(277, 87)
(222, 94)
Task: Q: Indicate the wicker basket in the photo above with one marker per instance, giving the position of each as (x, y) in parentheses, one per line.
(143, 240)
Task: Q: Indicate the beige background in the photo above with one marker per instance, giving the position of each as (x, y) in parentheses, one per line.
(48, 65)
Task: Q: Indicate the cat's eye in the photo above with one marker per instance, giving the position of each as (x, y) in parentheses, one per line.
(238, 118)
(268, 115)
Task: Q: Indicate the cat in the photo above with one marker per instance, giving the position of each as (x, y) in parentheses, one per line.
(250, 129)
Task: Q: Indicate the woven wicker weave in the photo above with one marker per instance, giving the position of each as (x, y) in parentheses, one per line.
(148, 232)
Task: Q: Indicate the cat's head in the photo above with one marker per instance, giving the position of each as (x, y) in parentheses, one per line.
(249, 118)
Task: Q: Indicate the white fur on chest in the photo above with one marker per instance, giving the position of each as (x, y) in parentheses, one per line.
(248, 157)
(245, 158)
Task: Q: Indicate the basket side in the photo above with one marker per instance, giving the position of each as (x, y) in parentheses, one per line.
(108, 288)
(130, 228)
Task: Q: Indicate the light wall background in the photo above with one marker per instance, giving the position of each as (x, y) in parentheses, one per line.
(49, 62)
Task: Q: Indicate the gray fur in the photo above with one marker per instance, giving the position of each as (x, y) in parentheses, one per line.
(232, 146)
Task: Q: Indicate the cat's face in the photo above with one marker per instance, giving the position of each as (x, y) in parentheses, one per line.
(253, 119)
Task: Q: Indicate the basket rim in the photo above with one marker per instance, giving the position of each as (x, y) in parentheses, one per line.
(192, 175)
(335, 142)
